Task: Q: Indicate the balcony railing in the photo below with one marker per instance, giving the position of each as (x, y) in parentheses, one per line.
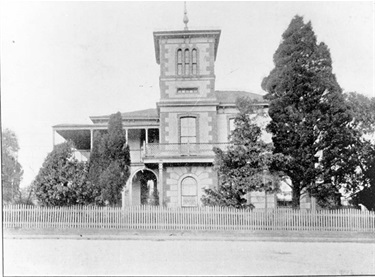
(181, 149)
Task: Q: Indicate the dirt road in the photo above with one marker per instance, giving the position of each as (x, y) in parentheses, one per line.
(184, 257)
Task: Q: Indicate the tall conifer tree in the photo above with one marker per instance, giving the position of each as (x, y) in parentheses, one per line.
(110, 162)
(309, 115)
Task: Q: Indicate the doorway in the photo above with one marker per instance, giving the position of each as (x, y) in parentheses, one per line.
(144, 188)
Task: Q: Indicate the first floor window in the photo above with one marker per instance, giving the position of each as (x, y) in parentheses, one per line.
(189, 192)
(188, 130)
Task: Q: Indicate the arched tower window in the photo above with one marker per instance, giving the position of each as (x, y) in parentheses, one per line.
(189, 192)
(194, 62)
(187, 62)
(179, 62)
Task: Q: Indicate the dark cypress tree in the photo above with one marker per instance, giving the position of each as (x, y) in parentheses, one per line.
(309, 115)
(110, 162)
(97, 164)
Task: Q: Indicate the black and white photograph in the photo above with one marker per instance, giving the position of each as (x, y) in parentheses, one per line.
(188, 138)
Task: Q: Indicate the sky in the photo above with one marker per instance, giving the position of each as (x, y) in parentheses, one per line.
(62, 62)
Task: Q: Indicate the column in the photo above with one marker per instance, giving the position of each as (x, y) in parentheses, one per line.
(146, 132)
(91, 139)
(161, 185)
(127, 136)
(130, 184)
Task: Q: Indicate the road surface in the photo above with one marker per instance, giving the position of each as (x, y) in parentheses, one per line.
(68, 257)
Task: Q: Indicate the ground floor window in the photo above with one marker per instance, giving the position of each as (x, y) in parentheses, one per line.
(189, 192)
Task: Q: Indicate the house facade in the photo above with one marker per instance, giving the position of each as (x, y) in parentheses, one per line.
(171, 145)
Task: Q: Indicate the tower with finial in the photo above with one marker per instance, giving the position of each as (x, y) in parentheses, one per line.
(187, 82)
(186, 19)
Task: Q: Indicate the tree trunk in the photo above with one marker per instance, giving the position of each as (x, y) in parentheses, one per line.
(296, 195)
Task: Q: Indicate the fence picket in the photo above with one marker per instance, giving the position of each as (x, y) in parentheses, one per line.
(204, 218)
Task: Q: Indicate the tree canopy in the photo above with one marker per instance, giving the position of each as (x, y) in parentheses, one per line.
(65, 181)
(62, 179)
(310, 120)
(110, 162)
(245, 165)
(363, 111)
(11, 169)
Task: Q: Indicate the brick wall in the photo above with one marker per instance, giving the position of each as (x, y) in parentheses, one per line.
(205, 176)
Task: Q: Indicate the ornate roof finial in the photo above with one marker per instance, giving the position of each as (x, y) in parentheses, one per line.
(186, 19)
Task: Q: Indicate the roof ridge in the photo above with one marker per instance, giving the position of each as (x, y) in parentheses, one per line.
(150, 112)
(229, 90)
(230, 96)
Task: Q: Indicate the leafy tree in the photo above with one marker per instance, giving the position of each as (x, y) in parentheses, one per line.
(110, 162)
(11, 169)
(62, 180)
(363, 110)
(366, 194)
(27, 196)
(245, 166)
(309, 116)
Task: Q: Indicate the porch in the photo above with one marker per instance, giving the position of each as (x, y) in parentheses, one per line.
(82, 136)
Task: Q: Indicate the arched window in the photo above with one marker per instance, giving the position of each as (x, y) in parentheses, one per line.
(187, 62)
(179, 62)
(194, 62)
(189, 192)
(188, 129)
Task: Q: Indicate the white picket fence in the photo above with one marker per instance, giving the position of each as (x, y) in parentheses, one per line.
(204, 218)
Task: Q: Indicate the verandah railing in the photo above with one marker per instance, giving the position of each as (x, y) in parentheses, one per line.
(203, 218)
(181, 149)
